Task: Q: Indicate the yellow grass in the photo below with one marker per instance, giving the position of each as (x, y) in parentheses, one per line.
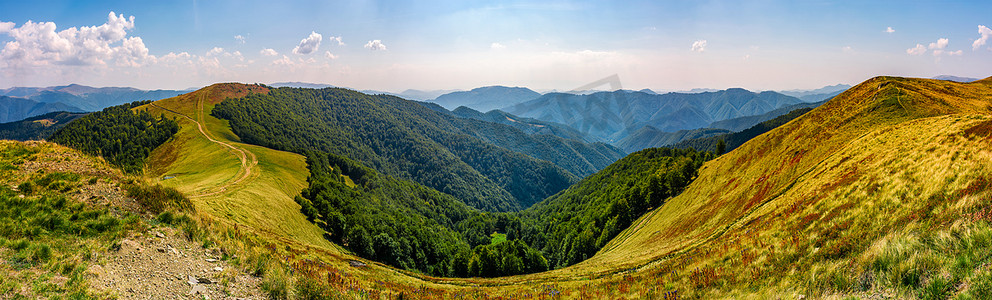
(890, 157)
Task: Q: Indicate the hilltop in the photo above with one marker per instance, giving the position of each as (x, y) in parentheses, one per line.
(880, 191)
(486, 98)
(831, 194)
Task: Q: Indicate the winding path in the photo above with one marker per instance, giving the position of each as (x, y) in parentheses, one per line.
(247, 158)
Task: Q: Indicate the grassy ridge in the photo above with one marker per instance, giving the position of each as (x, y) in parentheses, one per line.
(881, 190)
(264, 201)
(888, 157)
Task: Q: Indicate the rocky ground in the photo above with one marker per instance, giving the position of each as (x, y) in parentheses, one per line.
(162, 264)
(159, 263)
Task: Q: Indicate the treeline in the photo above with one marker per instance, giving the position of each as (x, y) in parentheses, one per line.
(390, 184)
(574, 224)
(403, 224)
(121, 136)
(736, 139)
(38, 127)
(396, 137)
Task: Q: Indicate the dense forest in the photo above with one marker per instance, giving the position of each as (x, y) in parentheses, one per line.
(413, 227)
(383, 172)
(574, 224)
(121, 136)
(37, 127)
(403, 139)
(402, 223)
(736, 139)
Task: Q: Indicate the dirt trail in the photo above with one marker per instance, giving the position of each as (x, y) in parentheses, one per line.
(247, 158)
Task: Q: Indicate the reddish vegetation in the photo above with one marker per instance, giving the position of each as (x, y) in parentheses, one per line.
(982, 130)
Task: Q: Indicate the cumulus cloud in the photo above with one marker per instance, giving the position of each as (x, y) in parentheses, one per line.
(986, 33)
(309, 44)
(336, 39)
(889, 30)
(6, 26)
(39, 44)
(497, 46)
(918, 50)
(268, 52)
(375, 45)
(699, 46)
(241, 39)
(215, 51)
(330, 55)
(940, 44)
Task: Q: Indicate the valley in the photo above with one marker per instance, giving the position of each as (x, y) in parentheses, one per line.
(648, 220)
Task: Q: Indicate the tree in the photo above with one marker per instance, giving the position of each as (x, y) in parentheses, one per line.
(721, 146)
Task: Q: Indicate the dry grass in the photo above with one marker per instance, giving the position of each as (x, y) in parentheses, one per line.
(888, 179)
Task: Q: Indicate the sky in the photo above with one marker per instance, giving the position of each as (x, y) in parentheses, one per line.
(544, 45)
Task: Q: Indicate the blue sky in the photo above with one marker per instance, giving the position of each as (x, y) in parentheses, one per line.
(662, 45)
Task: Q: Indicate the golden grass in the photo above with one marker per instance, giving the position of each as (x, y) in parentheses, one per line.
(788, 214)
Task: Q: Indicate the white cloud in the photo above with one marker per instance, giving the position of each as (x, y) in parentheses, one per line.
(133, 53)
(889, 30)
(336, 39)
(6, 26)
(268, 52)
(375, 45)
(986, 33)
(940, 44)
(699, 46)
(330, 55)
(918, 50)
(747, 56)
(847, 49)
(309, 44)
(39, 44)
(955, 53)
(241, 39)
(215, 51)
(497, 46)
(284, 61)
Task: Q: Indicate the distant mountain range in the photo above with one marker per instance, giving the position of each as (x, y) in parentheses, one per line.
(18, 103)
(611, 116)
(409, 94)
(955, 78)
(487, 98)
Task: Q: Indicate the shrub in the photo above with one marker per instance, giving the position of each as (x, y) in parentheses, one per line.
(157, 198)
(275, 283)
(26, 188)
(310, 289)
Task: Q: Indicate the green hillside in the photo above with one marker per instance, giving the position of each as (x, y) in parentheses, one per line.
(881, 191)
(399, 138)
(37, 127)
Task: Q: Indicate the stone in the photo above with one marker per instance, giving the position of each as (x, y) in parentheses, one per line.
(198, 290)
(218, 269)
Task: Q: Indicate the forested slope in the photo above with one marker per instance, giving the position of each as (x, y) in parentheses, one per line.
(396, 137)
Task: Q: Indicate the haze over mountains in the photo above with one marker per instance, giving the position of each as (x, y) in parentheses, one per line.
(611, 116)
(18, 103)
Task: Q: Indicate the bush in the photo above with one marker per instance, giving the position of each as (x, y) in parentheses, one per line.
(166, 217)
(310, 289)
(26, 188)
(157, 198)
(275, 283)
